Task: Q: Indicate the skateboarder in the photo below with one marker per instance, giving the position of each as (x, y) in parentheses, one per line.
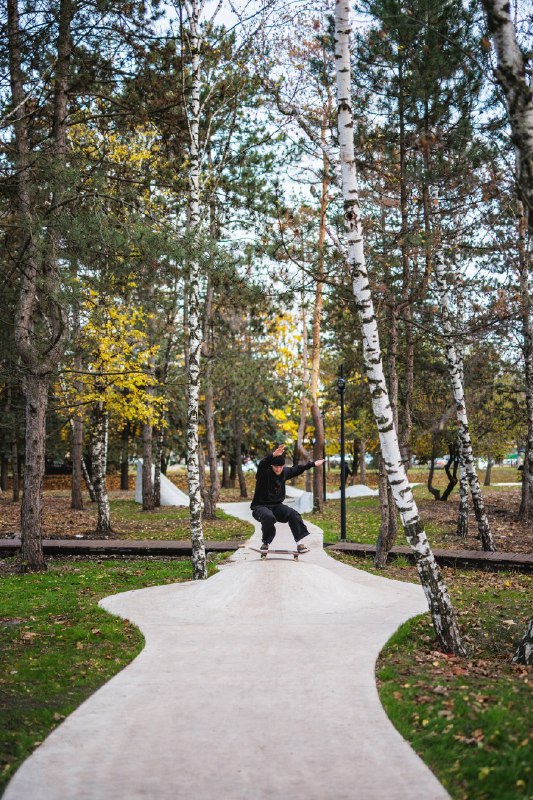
(267, 504)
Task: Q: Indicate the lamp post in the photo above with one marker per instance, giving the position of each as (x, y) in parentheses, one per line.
(324, 475)
(341, 388)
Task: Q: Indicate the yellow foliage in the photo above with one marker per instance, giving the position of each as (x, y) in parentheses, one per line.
(119, 365)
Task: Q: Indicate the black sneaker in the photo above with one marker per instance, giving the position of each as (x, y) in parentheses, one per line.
(264, 546)
(302, 548)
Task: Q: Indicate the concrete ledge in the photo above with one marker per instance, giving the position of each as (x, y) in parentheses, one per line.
(150, 547)
(473, 559)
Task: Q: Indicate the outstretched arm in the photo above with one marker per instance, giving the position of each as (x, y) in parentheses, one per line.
(292, 472)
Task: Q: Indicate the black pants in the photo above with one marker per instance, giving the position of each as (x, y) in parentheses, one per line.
(269, 515)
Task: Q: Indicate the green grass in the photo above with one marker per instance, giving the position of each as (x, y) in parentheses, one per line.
(129, 520)
(471, 719)
(362, 521)
(57, 647)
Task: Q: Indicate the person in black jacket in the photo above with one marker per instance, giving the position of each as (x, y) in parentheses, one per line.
(267, 503)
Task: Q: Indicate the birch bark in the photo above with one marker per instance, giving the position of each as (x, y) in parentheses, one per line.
(193, 305)
(524, 651)
(98, 461)
(455, 370)
(439, 602)
(511, 74)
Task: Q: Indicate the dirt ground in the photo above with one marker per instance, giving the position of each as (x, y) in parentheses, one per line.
(510, 535)
(60, 521)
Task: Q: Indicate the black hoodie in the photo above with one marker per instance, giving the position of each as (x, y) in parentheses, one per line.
(269, 487)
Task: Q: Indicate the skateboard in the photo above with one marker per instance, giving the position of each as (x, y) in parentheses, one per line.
(293, 553)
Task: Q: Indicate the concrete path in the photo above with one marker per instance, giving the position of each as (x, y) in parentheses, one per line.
(258, 683)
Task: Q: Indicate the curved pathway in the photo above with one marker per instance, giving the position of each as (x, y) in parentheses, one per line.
(258, 683)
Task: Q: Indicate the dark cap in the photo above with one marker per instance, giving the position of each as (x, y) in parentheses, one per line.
(278, 461)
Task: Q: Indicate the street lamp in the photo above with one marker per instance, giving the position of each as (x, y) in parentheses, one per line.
(341, 388)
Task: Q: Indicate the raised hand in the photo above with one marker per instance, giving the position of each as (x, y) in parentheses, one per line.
(279, 450)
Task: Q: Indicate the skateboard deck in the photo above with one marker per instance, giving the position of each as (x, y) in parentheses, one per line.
(293, 553)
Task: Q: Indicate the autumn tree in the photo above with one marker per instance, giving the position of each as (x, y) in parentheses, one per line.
(117, 381)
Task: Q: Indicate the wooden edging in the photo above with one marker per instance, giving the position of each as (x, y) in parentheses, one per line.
(108, 547)
(473, 559)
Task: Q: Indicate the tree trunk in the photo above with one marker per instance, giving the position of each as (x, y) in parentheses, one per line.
(318, 451)
(214, 480)
(76, 420)
(238, 455)
(76, 497)
(404, 422)
(389, 524)
(88, 481)
(98, 461)
(40, 276)
(147, 482)
(15, 466)
(462, 516)
(158, 458)
(455, 369)
(4, 465)
(225, 471)
(526, 505)
(203, 488)
(524, 651)
(488, 473)
(301, 452)
(35, 391)
(356, 455)
(194, 343)
(318, 422)
(512, 76)
(125, 459)
(362, 462)
(440, 606)
(210, 495)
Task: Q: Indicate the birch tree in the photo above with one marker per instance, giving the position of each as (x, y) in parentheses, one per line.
(192, 35)
(511, 73)
(455, 369)
(524, 651)
(439, 602)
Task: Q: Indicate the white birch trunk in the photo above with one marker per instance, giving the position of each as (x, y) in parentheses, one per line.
(439, 602)
(511, 73)
(99, 459)
(194, 322)
(524, 651)
(455, 369)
